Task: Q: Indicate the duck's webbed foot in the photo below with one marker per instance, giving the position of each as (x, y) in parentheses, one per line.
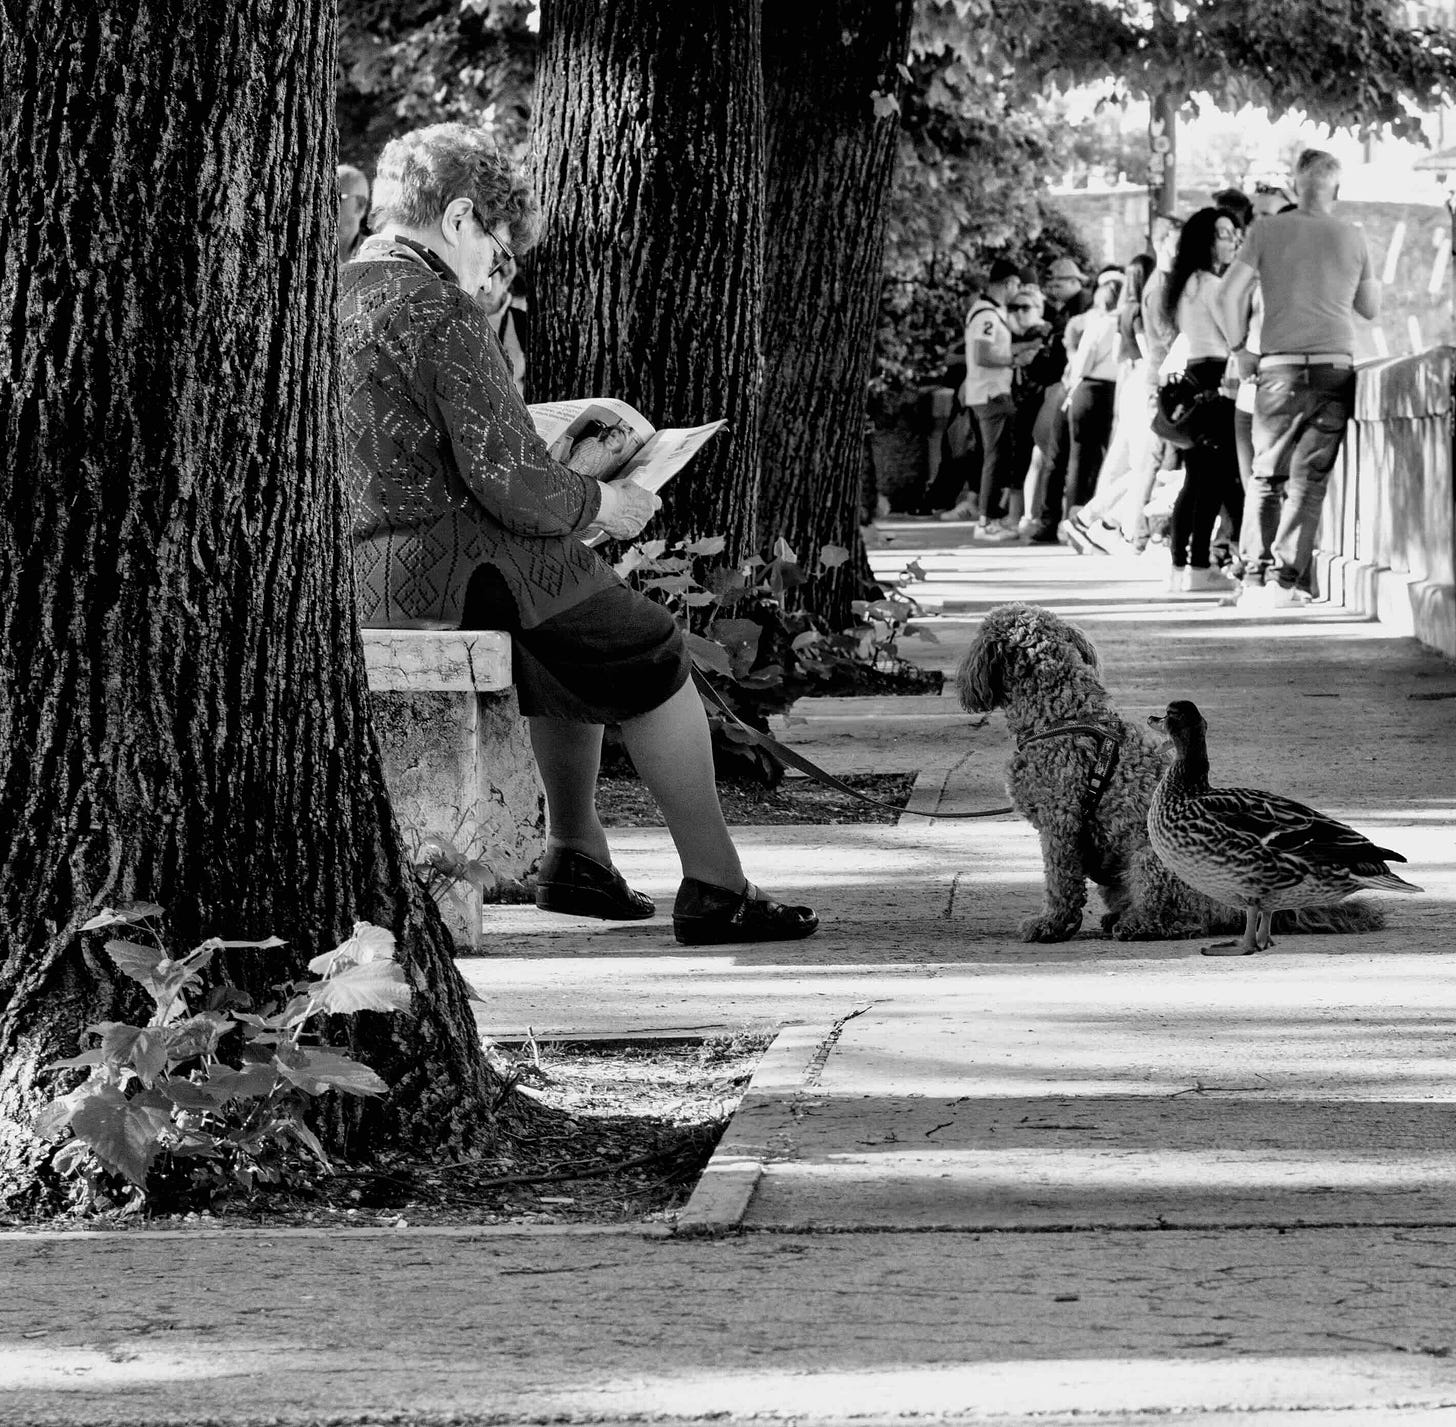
(1255, 937)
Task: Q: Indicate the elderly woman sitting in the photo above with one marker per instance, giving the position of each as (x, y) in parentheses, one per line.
(462, 520)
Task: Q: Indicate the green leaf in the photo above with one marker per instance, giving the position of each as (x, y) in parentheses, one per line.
(126, 914)
(368, 943)
(318, 1069)
(699, 599)
(125, 1137)
(79, 1062)
(149, 1054)
(740, 637)
(784, 551)
(709, 545)
(373, 986)
(267, 944)
(669, 584)
(308, 1139)
(831, 557)
(710, 657)
(632, 560)
(136, 961)
(252, 1082)
(51, 1120)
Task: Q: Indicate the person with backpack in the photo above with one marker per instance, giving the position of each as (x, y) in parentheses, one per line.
(993, 354)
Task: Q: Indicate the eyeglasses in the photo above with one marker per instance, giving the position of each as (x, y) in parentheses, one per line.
(504, 254)
(1262, 189)
(1022, 307)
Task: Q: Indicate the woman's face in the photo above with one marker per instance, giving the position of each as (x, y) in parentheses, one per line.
(1226, 240)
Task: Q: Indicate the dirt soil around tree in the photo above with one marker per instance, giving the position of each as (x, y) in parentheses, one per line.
(627, 1130)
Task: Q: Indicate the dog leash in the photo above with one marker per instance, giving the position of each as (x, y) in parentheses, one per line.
(788, 758)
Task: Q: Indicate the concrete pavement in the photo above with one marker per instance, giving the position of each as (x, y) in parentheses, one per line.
(975, 1180)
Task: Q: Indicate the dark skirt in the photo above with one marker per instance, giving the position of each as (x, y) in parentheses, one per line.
(614, 656)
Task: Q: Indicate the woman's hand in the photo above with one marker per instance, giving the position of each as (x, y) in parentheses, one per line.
(625, 510)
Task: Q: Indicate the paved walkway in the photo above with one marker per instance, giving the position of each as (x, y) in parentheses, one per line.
(978, 1180)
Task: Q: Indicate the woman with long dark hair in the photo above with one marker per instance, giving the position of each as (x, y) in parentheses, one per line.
(1206, 246)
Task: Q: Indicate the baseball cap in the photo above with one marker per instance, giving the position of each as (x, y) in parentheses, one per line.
(1065, 268)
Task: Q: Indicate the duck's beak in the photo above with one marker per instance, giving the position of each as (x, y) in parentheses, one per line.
(1155, 721)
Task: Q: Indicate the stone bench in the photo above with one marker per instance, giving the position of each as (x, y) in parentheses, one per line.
(457, 759)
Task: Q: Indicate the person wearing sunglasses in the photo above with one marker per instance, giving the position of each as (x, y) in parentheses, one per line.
(462, 519)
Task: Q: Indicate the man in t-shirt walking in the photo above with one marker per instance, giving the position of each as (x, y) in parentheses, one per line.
(992, 354)
(1314, 273)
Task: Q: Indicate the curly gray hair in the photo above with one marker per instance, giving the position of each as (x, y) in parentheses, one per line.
(422, 172)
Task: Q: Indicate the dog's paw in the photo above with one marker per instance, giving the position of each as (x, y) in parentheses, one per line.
(1045, 928)
(1137, 926)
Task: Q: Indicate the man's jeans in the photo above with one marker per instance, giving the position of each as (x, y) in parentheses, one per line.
(1300, 414)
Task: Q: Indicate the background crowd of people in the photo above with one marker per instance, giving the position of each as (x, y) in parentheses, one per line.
(1147, 406)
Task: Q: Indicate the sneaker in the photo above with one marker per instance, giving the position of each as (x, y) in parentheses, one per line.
(1256, 598)
(1107, 538)
(1039, 535)
(966, 510)
(1177, 581)
(1072, 532)
(1287, 597)
(1201, 579)
(994, 531)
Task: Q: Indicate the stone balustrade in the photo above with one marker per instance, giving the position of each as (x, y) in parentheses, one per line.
(1389, 528)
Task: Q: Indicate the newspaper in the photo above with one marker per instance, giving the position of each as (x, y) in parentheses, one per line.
(610, 441)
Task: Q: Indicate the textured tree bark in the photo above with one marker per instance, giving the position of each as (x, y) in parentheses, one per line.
(649, 121)
(182, 699)
(831, 157)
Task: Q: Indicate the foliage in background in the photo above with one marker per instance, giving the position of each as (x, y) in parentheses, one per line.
(209, 1094)
(923, 309)
(761, 656)
(404, 63)
(983, 128)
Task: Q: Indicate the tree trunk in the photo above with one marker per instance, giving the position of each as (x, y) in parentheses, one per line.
(830, 78)
(182, 698)
(649, 114)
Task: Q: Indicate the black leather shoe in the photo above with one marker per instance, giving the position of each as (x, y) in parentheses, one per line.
(571, 882)
(705, 915)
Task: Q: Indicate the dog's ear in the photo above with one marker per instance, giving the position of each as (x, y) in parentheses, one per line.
(979, 680)
(1085, 648)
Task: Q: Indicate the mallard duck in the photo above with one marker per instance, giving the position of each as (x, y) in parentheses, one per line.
(1249, 848)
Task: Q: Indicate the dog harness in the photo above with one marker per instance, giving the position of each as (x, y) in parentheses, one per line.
(1104, 759)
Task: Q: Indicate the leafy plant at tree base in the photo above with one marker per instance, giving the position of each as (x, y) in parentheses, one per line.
(209, 1094)
(760, 656)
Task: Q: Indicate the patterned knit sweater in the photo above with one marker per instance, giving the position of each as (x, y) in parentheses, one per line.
(446, 469)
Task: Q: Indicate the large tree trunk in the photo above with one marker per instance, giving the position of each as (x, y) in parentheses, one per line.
(182, 699)
(830, 77)
(650, 116)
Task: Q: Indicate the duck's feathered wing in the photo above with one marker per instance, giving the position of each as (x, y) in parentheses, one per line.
(1295, 830)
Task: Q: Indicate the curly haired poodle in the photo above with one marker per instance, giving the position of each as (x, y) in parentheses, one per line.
(1045, 674)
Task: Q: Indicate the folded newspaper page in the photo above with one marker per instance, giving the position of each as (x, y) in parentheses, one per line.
(609, 440)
